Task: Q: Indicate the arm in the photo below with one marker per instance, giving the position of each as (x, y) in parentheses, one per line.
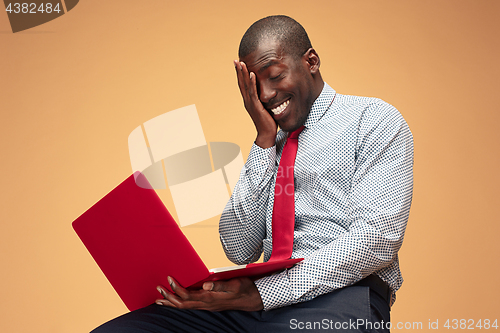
(378, 208)
(242, 223)
(242, 226)
(245, 215)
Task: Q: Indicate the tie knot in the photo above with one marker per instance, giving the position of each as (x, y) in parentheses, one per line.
(295, 134)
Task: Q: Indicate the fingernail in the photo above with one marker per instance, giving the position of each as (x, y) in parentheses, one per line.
(159, 290)
(159, 303)
(208, 286)
(170, 281)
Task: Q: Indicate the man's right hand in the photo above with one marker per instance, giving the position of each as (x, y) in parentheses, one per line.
(264, 122)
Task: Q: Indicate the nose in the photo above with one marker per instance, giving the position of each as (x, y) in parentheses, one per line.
(266, 92)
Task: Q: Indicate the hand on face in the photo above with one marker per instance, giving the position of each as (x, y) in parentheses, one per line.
(235, 294)
(264, 122)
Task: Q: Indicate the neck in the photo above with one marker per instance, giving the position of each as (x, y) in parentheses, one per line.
(318, 84)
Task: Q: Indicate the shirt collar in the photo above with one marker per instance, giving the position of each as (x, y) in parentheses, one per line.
(318, 109)
(320, 105)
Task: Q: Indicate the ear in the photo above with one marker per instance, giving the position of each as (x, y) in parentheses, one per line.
(311, 60)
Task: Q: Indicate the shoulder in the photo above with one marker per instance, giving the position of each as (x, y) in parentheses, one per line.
(369, 111)
(370, 106)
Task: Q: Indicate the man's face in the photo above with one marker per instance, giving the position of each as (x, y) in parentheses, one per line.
(284, 84)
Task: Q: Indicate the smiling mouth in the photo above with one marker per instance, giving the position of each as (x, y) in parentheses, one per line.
(280, 108)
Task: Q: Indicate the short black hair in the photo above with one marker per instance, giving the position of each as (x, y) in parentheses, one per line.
(290, 35)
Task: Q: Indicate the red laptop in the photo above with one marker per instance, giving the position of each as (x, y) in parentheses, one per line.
(137, 244)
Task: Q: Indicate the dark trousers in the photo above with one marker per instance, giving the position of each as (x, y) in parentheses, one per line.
(351, 309)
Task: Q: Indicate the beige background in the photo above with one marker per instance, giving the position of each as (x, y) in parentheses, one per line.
(73, 89)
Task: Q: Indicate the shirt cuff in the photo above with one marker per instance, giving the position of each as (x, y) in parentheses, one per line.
(275, 291)
(260, 158)
(260, 162)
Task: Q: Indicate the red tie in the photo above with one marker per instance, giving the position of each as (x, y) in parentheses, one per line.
(284, 200)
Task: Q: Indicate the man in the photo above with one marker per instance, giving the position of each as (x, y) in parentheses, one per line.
(352, 188)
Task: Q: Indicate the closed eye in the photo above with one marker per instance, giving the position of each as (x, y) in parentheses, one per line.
(277, 77)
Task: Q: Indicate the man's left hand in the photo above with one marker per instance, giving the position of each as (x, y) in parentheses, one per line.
(234, 294)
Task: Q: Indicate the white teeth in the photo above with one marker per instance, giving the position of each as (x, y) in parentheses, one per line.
(279, 109)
